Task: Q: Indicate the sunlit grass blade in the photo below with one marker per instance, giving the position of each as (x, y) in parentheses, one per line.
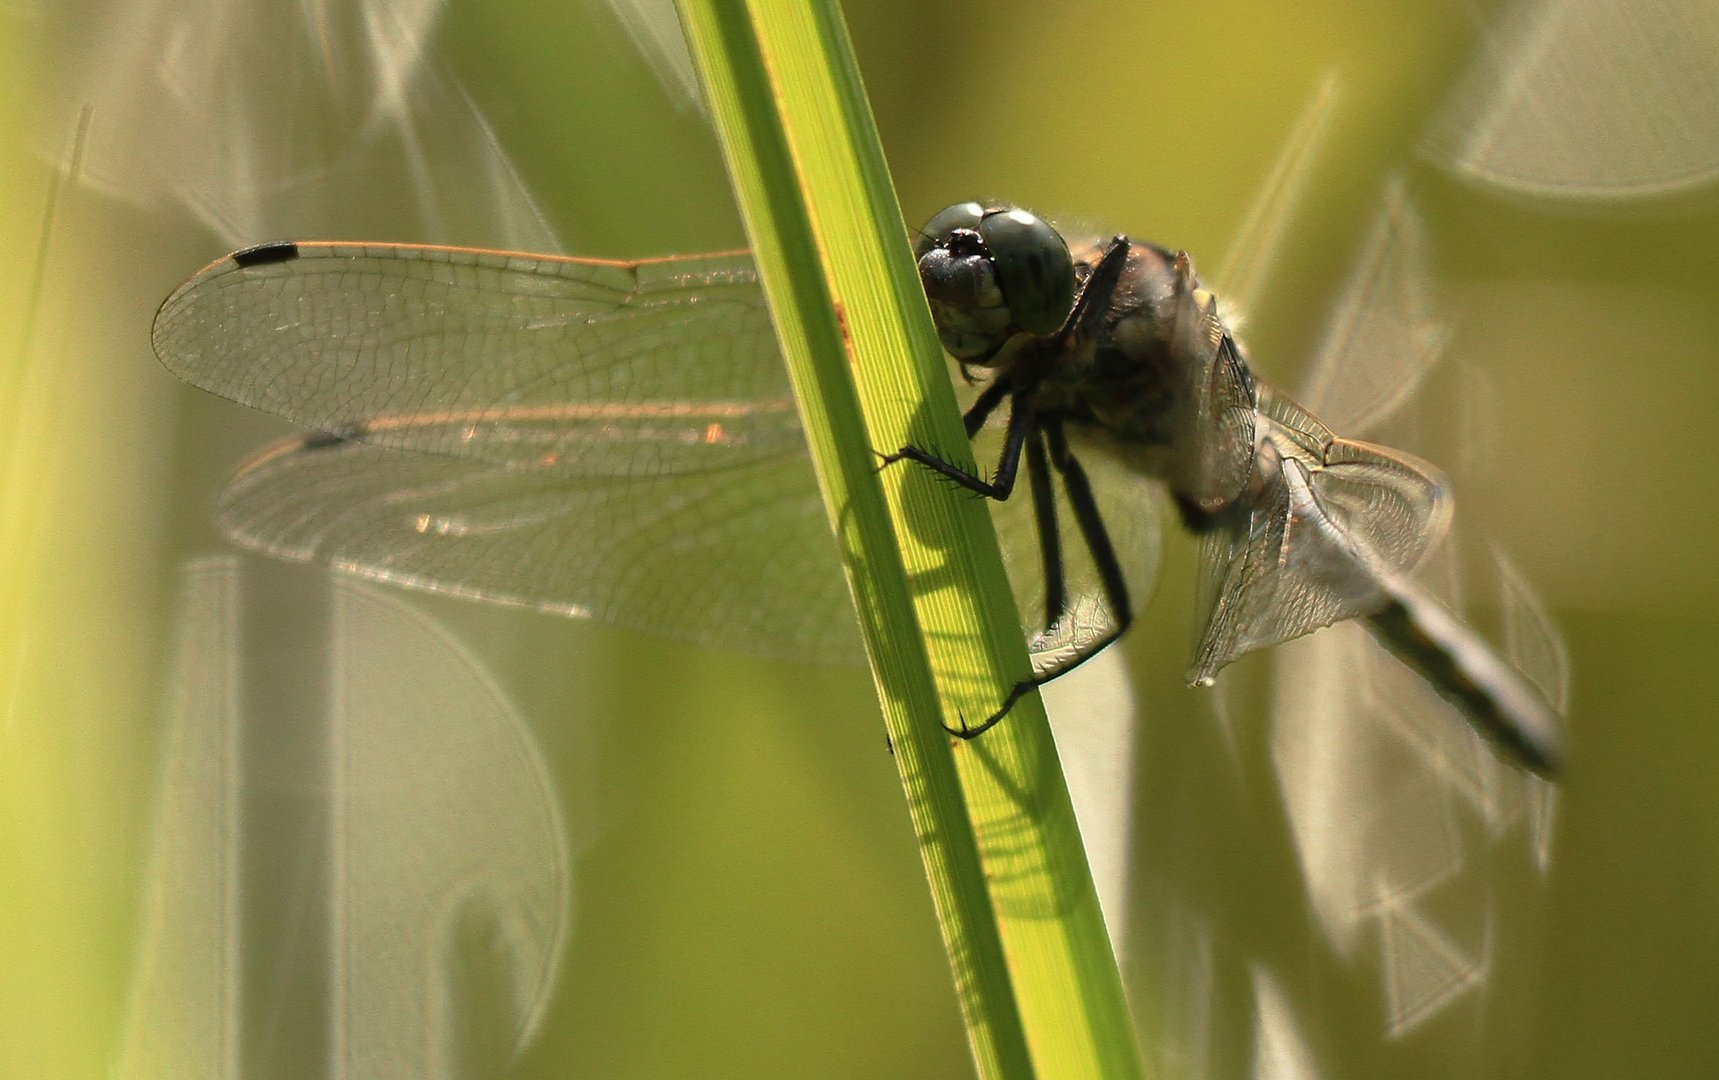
(1034, 969)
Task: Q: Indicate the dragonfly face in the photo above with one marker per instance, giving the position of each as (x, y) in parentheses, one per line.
(990, 273)
(595, 438)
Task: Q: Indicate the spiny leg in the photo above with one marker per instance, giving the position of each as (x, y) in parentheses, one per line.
(972, 420)
(982, 408)
(1021, 424)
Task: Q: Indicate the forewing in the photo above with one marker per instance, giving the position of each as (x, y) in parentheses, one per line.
(1212, 440)
(739, 559)
(646, 367)
(1306, 553)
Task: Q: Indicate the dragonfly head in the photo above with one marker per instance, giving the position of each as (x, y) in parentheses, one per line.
(992, 272)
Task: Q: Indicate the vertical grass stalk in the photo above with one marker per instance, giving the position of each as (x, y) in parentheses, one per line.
(1034, 970)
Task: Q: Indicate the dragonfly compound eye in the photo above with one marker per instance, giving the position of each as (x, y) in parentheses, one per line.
(1033, 268)
(960, 281)
(936, 233)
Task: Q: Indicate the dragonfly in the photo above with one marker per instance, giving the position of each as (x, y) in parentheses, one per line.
(616, 440)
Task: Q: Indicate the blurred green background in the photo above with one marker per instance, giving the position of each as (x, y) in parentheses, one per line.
(746, 895)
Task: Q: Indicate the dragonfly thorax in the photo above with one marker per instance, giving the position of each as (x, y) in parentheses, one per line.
(1121, 384)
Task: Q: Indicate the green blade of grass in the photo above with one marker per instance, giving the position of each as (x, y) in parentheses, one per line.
(1033, 968)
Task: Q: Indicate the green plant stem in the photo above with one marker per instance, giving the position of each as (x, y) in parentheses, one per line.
(1033, 968)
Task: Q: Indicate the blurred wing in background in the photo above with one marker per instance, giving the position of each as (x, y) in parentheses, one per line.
(1587, 102)
(456, 856)
(264, 120)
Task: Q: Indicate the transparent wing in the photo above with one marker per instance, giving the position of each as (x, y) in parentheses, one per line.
(740, 559)
(606, 440)
(645, 368)
(1305, 554)
(1385, 334)
(1212, 441)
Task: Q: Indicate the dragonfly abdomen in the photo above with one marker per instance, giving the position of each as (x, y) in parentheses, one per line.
(1496, 698)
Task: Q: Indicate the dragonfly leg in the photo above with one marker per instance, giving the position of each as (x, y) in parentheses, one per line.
(1050, 540)
(1103, 551)
(1002, 484)
(980, 411)
(1092, 530)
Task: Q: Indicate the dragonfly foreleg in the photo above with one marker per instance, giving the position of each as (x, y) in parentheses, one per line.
(1095, 294)
(1002, 483)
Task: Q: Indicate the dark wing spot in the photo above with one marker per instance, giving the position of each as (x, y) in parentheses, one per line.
(322, 440)
(264, 254)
